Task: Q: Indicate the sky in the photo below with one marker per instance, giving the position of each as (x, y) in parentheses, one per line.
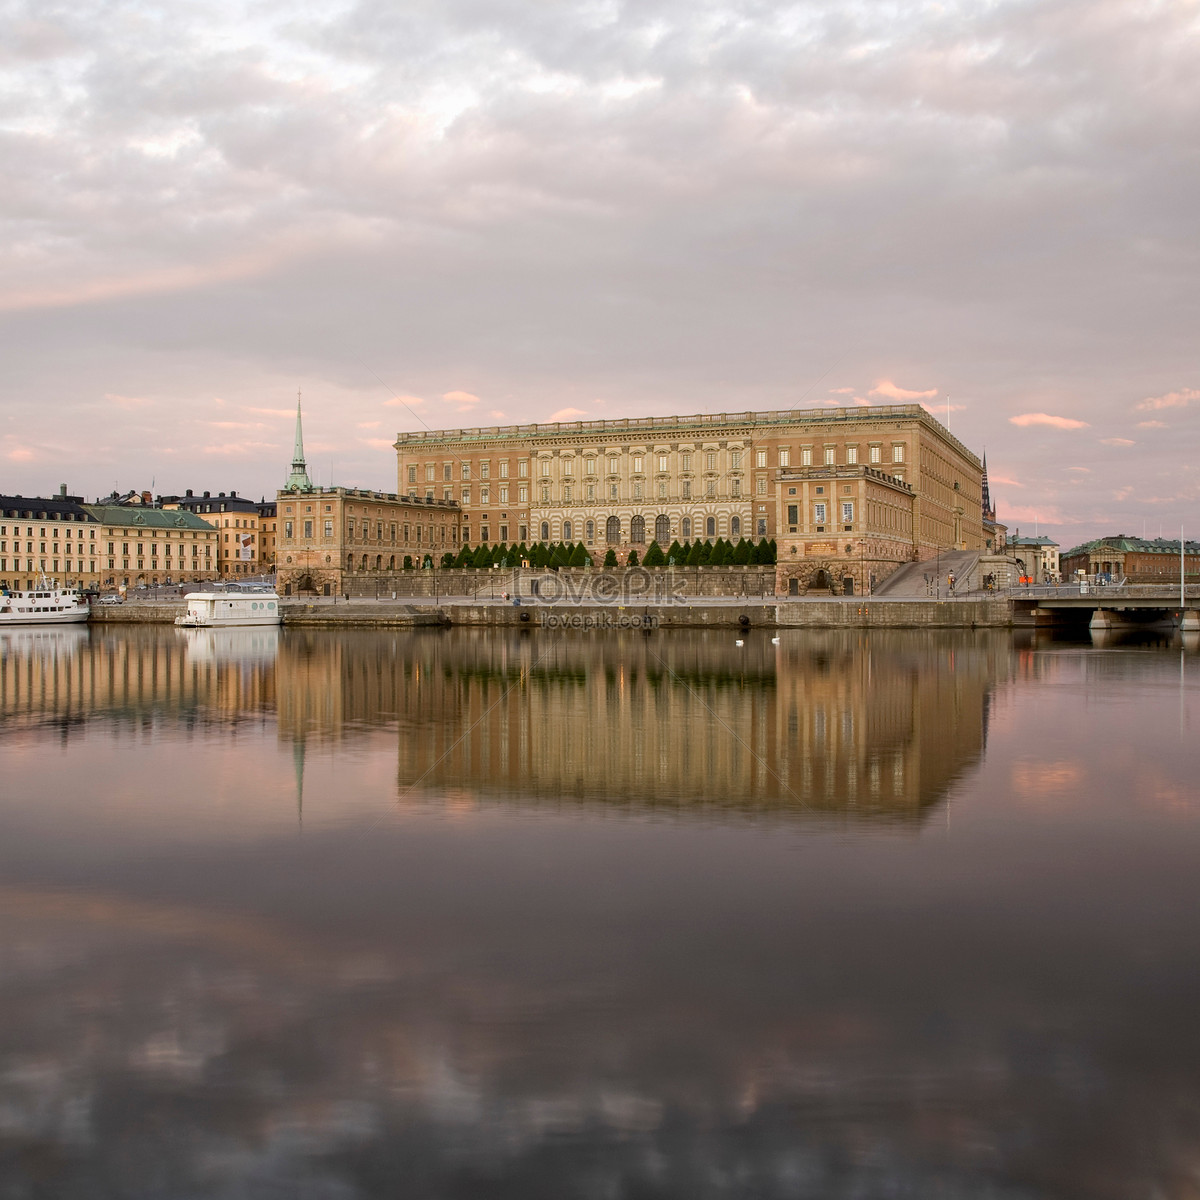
(475, 212)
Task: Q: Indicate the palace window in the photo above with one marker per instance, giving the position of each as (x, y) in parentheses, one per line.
(568, 467)
(591, 466)
(785, 458)
(504, 469)
(687, 489)
(637, 463)
(876, 454)
(545, 465)
(522, 468)
(429, 472)
(523, 493)
(485, 470)
(710, 462)
(830, 456)
(504, 493)
(685, 462)
(662, 462)
(819, 511)
(898, 452)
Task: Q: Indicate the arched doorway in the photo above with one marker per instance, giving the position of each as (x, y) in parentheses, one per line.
(305, 584)
(821, 582)
(793, 586)
(637, 530)
(612, 531)
(662, 529)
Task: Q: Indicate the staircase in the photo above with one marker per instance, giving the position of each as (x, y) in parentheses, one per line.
(908, 582)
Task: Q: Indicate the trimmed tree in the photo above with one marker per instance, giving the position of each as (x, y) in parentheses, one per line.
(610, 559)
(705, 553)
(465, 556)
(654, 556)
(694, 554)
(579, 556)
(676, 552)
(408, 562)
(632, 560)
(741, 553)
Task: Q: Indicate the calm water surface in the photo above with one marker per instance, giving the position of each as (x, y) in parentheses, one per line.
(561, 915)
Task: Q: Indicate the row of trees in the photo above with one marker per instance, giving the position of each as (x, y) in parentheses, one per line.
(553, 555)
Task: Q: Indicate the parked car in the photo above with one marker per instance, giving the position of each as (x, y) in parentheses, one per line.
(110, 600)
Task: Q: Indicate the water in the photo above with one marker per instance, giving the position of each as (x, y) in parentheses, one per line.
(451, 914)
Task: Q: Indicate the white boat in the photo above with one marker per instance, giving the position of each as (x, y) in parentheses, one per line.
(215, 610)
(47, 604)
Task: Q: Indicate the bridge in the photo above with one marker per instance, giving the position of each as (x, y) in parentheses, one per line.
(1108, 606)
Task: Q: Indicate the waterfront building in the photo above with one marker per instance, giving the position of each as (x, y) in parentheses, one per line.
(146, 545)
(1037, 557)
(56, 536)
(328, 533)
(1139, 560)
(624, 483)
(267, 534)
(238, 521)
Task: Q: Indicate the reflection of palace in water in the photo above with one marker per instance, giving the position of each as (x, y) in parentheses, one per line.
(825, 722)
(822, 721)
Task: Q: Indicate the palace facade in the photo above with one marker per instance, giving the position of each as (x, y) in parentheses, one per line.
(623, 483)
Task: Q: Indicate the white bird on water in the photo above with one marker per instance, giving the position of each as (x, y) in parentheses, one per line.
(774, 641)
(739, 642)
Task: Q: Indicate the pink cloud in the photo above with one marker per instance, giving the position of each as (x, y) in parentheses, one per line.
(1179, 399)
(1047, 419)
(369, 424)
(885, 387)
(404, 402)
(1029, 513)
(20, 454)
(1152, 425)
(239, 449)
(498, 414)
(1007, 482)
(566, 414)
(842, 391)
(464, 400)
(1082, 470)
(1117, 442)
(378, 443)
(274, 412)
(234, 424)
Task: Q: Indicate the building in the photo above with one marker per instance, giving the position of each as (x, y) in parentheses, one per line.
(1037, 557)
(239, 521)
(328, 534)
(57, 537)
(845, 528)
(267, 534)
(145, 545)
(1136, 559)
(623, 483)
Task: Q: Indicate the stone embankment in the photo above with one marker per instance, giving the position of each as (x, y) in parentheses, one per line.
(850, 613)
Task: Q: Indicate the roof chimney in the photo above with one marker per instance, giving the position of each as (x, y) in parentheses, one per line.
(188, 492)
(62, 489)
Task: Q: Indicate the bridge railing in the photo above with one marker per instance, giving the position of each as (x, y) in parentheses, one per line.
(1105, 591)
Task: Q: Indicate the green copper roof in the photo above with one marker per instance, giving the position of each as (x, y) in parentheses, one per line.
(147, 518)
(1124, 543)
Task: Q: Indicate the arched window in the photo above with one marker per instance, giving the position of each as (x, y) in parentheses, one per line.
(545, 531)
(391, 562)
(612, 531)
(735, 526)
(349, 562)
(687, 527)
(364, 562)
(566, 531)
(590, 527)
(379, 562)
(637, 530)
(710, 527)
(662, 529)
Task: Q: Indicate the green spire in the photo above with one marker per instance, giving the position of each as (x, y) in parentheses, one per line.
(298, 480)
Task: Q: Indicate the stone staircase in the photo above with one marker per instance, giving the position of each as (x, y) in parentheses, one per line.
(908, 581)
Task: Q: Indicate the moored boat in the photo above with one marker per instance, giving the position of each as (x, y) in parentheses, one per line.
(46, 604)
(212, 610)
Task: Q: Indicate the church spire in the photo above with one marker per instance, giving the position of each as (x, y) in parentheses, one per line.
(298, 480)
(989, 513)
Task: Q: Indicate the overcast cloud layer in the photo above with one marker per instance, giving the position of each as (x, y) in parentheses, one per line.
(503, 210)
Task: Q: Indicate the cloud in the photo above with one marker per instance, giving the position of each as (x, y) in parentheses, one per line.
(1179, 399)
(378, 443)
(1007, 482)
(235, 424)
(405, 401)
(240, 449)
(885, 387)
(20, 454)
(849, 391)
(566, 414)
(274, 412)
(1029, 514)
(1152, 425)
(464, 400)
(369, 424)
(1025, 419)
(127, 402)
(1116, 441)
(498, 414)
(1081, 470)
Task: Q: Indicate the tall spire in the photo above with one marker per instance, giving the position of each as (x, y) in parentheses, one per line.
(989, 513)
(298, 480)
